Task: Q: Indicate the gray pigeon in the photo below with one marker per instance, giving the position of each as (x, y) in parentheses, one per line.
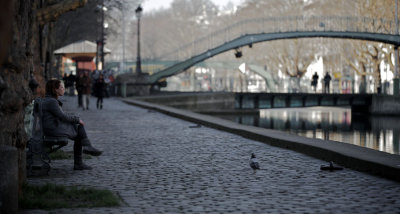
(253, 162)
(331, 167)
(195, 126)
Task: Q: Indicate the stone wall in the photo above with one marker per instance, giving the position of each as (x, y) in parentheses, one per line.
(198, 102)
(385, 105)
(132, 84)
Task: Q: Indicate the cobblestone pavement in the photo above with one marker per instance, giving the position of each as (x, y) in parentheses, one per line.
(158, 164)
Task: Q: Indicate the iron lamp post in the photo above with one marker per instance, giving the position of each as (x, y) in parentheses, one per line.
(138, 11)
(396, 80)
(101, 38)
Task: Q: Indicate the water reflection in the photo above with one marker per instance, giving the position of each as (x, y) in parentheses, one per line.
(337, 124)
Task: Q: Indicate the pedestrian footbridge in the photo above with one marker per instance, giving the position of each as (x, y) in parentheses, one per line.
(249, 32)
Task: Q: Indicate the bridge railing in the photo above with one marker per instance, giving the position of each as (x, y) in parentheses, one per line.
(281, 24)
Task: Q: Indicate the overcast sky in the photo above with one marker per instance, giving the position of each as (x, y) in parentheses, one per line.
(149, 5)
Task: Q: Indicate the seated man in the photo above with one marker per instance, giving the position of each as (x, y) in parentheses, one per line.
(57, 123)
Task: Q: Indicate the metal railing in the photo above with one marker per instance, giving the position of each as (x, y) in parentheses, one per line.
(281, 25)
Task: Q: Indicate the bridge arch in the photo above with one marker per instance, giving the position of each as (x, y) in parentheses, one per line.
(269, 29)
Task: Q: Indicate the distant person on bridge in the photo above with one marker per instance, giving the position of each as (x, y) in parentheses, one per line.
(314, 81)
(327, 80)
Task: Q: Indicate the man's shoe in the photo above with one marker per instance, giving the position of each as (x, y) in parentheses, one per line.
(82, 166)
(90, 150)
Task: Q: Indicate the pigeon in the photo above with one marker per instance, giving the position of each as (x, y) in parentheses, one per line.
(196, 126)
(331, 167)
(253, 162)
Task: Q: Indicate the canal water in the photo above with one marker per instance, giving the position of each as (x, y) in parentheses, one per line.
(329, 123)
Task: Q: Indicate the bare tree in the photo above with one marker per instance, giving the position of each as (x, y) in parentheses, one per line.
(371, 54)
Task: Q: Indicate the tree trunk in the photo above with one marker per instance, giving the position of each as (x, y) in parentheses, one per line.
(14, 74)
(19, 60)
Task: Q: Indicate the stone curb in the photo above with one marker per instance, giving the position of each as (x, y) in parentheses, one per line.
(351, 156)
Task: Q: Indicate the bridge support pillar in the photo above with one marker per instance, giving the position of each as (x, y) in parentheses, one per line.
(360, 109)
(122, 89)
(396, 86)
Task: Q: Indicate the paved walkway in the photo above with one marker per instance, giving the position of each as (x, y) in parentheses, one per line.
(159, 164)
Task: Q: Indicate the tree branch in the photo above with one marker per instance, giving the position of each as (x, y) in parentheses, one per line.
(52, 12)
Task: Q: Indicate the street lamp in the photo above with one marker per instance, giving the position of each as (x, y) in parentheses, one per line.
(138, 12)
(103, 26)
(101, 38)
(396, 81)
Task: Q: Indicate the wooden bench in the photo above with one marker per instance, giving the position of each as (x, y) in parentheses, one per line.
(39, 146)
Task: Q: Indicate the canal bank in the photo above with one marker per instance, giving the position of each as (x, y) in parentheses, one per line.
(234, 102)
(351, 156)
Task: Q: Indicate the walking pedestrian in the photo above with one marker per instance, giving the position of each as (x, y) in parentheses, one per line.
(79, 87)
(86, 90)
(70, 82)
(327, 80)
(65, 80)
(100, 91)
(57, 123)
